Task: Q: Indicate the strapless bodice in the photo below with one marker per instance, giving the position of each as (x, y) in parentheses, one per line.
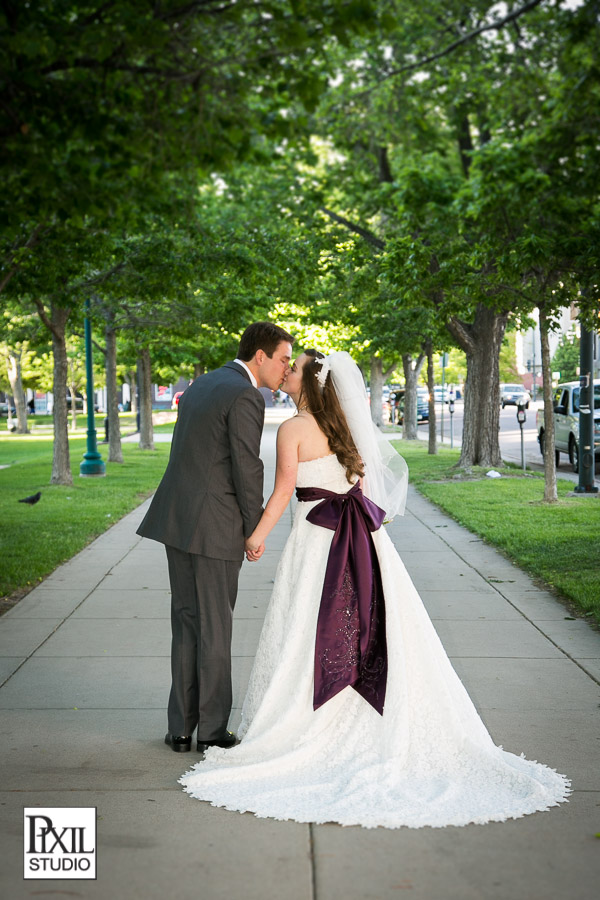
(323, 472)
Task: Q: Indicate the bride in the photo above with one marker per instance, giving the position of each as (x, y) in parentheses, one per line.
(354, 713)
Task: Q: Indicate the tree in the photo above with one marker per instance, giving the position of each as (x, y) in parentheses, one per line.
(17, 350)
(76, 376)
(106, 105)
(183, 287)
(52, 286)
(431, 120)
(566, 357)
(13, 365)
(466, 195)
(109, 352)
(55, 320)
(102, 101)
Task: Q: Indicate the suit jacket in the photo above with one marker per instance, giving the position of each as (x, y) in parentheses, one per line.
(211, 495)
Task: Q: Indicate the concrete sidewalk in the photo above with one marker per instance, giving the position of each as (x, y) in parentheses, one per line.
(85, 671)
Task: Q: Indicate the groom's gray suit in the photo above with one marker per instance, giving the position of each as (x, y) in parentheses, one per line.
(209, 500)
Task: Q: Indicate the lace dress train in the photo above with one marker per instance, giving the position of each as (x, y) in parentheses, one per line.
(428, 760)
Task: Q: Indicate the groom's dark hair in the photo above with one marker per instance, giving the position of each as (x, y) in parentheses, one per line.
(262, 336)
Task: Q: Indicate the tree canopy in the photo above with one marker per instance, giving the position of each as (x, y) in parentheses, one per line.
(389, 177)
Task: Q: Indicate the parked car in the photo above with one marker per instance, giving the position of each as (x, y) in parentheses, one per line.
(78, 402)
(4, 410)
(422, 405)
(385, 404)
(443, 394)
(175, 400)
(514, 395)
(566, 422)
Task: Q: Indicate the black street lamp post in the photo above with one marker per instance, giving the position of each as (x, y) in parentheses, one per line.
(586, 414)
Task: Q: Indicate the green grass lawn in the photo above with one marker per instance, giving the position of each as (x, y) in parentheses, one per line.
(34, 540)
(557, 542)
(39, 425)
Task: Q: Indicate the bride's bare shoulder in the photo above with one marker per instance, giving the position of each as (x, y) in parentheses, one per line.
(292, 427)
(302, 434)
(300, 431)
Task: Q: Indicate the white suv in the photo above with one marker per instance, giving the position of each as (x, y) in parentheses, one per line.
(566, 421)
(514, 395)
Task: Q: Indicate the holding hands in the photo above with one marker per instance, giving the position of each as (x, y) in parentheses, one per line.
(254, 549)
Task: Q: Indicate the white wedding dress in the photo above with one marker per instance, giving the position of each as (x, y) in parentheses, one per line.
(428, 760)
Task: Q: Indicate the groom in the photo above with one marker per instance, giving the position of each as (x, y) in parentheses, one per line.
(208, 502)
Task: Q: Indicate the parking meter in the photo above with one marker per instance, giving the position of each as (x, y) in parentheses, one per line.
(393, 407)
(521, 419)
(451, 411)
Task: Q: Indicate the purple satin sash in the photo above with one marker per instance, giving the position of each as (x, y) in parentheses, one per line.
(350, 644)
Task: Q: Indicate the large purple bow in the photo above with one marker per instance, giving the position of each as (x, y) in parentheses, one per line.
(350, 644)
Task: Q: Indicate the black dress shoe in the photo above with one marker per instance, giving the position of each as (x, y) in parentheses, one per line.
(227, 740)
(178, 742)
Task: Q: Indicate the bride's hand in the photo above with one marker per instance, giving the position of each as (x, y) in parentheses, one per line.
(254, 550)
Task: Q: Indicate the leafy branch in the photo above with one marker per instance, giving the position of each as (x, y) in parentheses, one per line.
(490, 26)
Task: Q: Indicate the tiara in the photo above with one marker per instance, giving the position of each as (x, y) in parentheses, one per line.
(323, 372)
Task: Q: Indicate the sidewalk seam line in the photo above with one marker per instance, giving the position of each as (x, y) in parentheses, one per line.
(313, 868)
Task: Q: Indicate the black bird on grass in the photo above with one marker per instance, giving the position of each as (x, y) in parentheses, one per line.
(31, 500)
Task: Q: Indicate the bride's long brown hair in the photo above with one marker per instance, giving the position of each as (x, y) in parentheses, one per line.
(329, 415)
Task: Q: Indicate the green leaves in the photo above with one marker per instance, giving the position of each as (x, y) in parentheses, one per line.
(101, 101)
(476, 174)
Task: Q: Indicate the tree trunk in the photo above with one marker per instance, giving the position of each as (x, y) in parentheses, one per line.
(378, 378)
(132, 381)
(145, 388)
(481, 342)
(73, 395)
(432, 449)
(115, 452)
(9, 416)
(376, 390)
(550, 492)
(61, 464)
(411, 370)
(16, 385)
